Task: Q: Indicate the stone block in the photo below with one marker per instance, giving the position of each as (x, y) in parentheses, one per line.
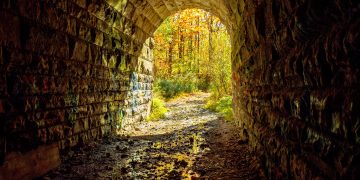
(72, 141)
(9, 30)
(29, 8)
(81, 3)
(32, 164)
(79, 126)
(53, 16)
(71, 26)
(79, 51)
(99, 38)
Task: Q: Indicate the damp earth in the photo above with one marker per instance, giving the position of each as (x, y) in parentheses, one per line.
(189, 143)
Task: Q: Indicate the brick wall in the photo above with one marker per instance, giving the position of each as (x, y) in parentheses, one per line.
(65, 71)
(296, 86)
(138, 98)
(72, 71)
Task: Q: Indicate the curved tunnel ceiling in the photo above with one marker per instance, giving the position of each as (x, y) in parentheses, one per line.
(149, 14)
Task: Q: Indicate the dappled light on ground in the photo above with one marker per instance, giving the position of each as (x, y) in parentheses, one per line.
(184, 114)
(189, 143)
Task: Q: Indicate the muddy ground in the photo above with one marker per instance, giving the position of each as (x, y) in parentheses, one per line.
(190, 143)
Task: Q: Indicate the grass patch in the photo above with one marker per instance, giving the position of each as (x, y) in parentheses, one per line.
(158, 109)
(222, 106)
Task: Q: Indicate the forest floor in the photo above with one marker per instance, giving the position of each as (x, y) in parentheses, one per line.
(189, 143)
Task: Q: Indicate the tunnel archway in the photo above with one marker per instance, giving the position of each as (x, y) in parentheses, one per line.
(66, 68)
(276, 58)
(148, 15)
(145, 68)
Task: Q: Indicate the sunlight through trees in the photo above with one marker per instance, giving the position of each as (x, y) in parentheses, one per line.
(193, 49)
(192, 52)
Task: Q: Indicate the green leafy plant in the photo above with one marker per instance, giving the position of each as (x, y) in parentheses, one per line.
(175, 86)
(222, 106)
(158, 109)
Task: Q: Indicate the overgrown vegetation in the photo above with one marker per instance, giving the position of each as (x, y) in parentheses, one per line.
(158, 109)
(192, 53)
(172, 87)
(223, 106)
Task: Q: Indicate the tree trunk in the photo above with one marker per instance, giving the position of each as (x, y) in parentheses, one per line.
(198, 48)
(210, 49)
(170, 58)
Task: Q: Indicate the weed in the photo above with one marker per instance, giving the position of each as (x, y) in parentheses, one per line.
(158, 109)
(222, 106)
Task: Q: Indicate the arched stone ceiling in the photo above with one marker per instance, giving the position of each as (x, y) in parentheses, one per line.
(147, 15)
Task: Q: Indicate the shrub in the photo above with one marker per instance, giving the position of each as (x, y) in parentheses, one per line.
(223, 106)
(203, 85)
(172, 87)
(158, 109)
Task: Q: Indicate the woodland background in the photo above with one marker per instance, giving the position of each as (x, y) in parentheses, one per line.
(192, 53)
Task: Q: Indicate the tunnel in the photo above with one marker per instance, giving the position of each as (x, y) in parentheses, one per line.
(70, 70)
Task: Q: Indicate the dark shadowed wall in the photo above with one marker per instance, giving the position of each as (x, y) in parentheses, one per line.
(73, 71)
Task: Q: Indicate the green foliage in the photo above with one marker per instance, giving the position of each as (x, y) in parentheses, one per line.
(222, 105)
(193, 43)
(175, 86)
(158, 109)
(193, 52)
(203, 85)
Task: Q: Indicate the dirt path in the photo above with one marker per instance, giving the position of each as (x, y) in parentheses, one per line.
(190, 143)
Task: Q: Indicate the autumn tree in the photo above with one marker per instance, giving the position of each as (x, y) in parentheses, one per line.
(193, 46)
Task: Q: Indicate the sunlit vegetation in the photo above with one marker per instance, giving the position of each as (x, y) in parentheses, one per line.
(158, 109)
(192, 53)
(223, 106)
(174, 86)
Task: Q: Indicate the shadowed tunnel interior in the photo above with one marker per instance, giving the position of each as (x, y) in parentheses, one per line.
(73, 71)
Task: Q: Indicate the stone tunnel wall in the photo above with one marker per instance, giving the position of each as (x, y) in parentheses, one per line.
(296, 86)
(71, 71)
(65, 71)
(138, 99)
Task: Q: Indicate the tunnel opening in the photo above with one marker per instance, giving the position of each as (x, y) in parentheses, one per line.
(192, 51)
(189, 57)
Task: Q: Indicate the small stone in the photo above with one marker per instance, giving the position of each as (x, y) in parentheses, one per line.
(71, 153)
(242, 141)
(124, 156)
(124, 170)
(124, 149)
(46, 178)
(144, 163)
(174, 174)
(182, 163)
(203, 146)
(191, 140)
(202, 172)
(131, 142)
(133, 163)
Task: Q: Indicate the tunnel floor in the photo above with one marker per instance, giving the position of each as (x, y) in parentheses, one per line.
(190, 143)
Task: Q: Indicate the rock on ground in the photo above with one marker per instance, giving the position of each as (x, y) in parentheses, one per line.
(190, 143)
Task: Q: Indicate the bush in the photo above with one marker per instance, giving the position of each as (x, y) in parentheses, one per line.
(158, 109)
(223, 106)
(172, 87)
(203, 85)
